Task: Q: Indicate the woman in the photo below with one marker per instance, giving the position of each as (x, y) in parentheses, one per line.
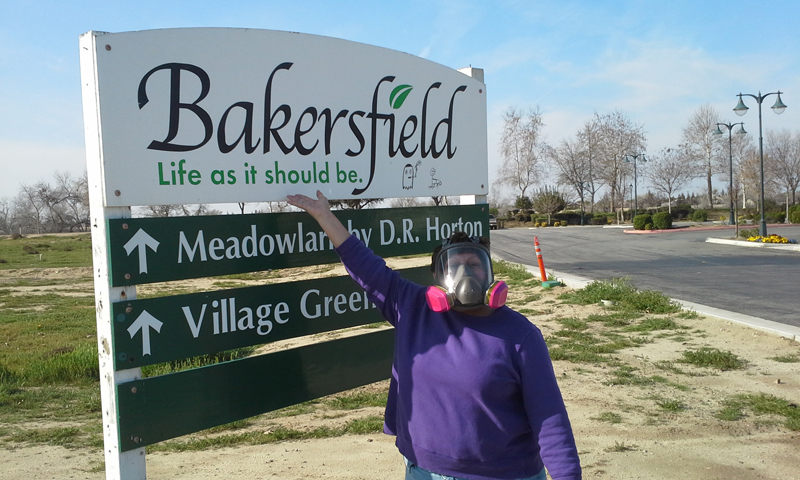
(473, 394)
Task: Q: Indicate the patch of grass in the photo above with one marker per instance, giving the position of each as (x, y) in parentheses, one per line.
(358, 399)
(713, 358)
(651, 324)
(670, 367)
(64, 365)
(37, 328)
(608, 417)
(533, 298)
(252, 275)
(616, 319)
(762, 404)
(80, 402)
(573, 323)
(786, 358)
(730, 413)
(62, 436)
(625, 375)
(621, 447)
(688, 314)
(294, 410)
(670, 405)
(195, 362)
(237, 425)
(371, 424)
(380, 324)
(514, 272)
(228, 284)
(56, 251)
(581, 347)
(531, 312)
(626, 296)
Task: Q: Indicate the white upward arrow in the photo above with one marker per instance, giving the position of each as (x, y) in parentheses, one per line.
(145, 322)
(141, 240)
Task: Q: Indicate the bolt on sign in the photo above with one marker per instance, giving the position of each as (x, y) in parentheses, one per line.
(180, 116)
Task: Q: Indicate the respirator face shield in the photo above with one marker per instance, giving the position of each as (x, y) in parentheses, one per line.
(464, 272)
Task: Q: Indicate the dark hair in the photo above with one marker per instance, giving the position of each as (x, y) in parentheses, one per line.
(457, 237)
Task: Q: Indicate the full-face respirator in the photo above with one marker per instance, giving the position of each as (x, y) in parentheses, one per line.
(464, 278)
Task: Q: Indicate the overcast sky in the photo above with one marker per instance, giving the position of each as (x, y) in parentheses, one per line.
(657, 62)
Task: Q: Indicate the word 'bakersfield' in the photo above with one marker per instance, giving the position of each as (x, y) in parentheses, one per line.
(406, 137)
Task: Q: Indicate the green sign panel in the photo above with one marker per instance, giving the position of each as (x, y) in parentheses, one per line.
(159, 408)
(172, 328)
(148, 250)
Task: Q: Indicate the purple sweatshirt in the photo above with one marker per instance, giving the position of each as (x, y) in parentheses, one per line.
(472, 397)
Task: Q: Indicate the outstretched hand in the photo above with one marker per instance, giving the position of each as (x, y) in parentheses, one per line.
(315, 208)
(320, 209)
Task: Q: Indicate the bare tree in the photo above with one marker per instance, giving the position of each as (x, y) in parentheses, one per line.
(30, 209)
(188, 210)
(619, 136)
(7, 221)
(669, 171)
(783, 152)
(354, 203)
(573, 168)
(523, 148)
(590, 141)
(274, 207)
(749, 167)
(405, 202)
(702, 145)
(73, 201)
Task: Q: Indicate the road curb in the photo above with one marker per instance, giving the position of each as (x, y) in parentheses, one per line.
(787, 331)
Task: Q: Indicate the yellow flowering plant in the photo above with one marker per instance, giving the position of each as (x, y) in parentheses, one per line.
(770, 239)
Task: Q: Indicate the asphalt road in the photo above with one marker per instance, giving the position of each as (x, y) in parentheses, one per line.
(760, 282)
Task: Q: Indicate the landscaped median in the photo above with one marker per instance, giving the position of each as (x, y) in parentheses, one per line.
(747, 243)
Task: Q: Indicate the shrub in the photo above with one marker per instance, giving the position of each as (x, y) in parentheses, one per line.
(748, 232)
(775, 217)
(639, 221)
(648, 226)
(598, 220)
(556, 224)
(30, 250)
(662, 220)
(681, 211)
(794, 217)
(699, 216)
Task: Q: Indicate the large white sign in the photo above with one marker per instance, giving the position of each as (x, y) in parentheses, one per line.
(207, 115)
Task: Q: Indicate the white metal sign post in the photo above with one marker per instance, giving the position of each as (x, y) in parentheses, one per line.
(184, 116)
(129, 465)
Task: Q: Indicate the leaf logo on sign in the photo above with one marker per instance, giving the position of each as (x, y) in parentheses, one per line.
(398, 95)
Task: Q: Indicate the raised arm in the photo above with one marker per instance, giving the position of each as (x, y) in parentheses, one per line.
(321, 211)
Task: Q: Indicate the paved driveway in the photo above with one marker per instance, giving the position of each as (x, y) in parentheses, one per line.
(759, 282)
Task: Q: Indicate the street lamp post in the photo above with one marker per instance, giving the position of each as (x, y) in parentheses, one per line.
(631, 188)
(636, 159)
(740, 110)
(730, 159)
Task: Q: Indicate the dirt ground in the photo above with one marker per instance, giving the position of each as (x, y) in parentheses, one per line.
(646, 443)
